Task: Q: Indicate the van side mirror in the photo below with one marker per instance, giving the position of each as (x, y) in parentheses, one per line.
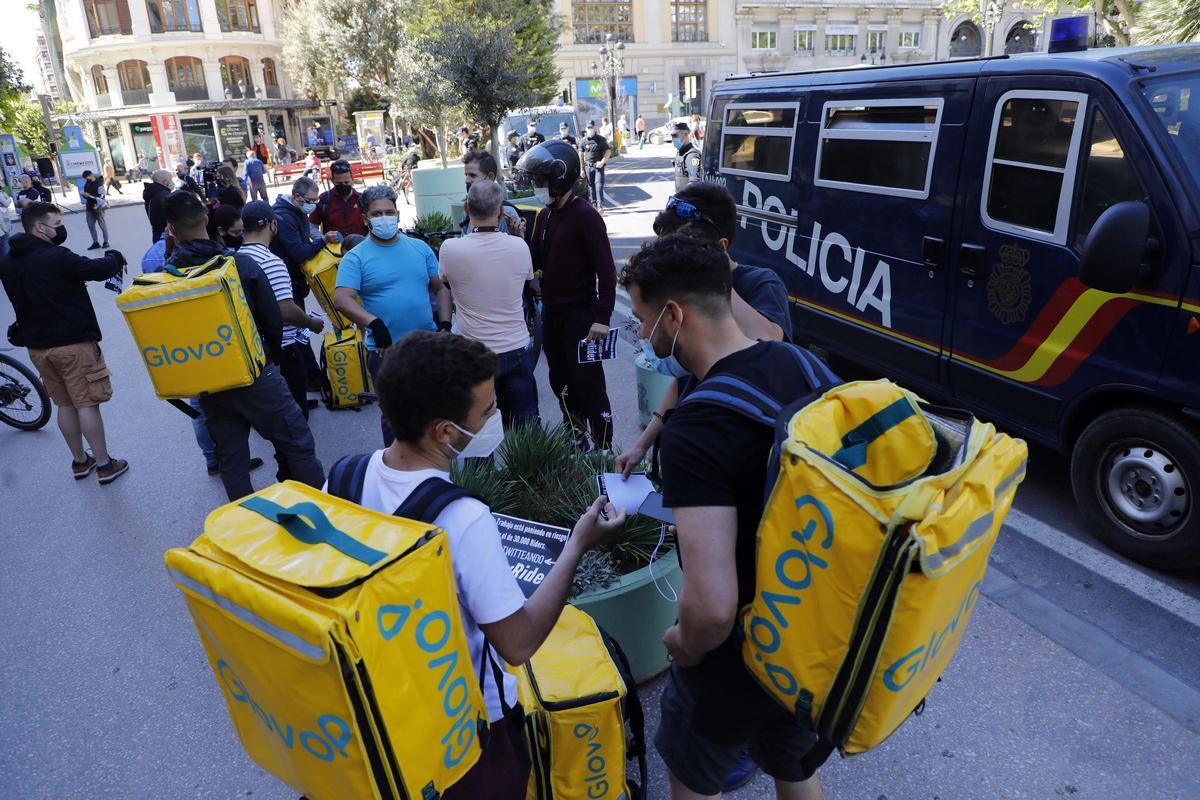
(1116, 247)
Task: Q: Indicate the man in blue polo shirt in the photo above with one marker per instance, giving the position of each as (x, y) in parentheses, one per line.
(385, 283)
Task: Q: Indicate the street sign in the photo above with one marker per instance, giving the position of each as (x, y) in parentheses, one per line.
(532, 548)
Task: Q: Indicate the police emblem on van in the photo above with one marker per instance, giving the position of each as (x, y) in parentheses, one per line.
(1008, 292)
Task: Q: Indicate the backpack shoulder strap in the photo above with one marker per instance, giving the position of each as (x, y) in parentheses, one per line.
(753, 402)
(430, 499)
(348, 476)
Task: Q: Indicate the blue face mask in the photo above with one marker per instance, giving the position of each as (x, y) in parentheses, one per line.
(663, 365)
(677, 142)
(384, 227)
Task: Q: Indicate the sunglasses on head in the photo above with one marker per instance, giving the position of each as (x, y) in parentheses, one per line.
(339, 169)
(685, 210)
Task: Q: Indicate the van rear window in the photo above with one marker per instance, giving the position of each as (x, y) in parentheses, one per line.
(883, 146)
(757, 139)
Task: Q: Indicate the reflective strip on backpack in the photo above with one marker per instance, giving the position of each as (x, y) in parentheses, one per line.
(977, 529)
(268, 629)
(160, 299)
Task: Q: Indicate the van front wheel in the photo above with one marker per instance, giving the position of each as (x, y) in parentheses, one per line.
(1134, 472)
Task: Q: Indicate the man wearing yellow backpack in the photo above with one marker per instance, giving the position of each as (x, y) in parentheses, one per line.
(714, 469)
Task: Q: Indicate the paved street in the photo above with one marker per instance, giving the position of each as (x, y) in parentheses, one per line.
(1079, 676)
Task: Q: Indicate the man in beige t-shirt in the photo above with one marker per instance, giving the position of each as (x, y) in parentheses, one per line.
(486, 271)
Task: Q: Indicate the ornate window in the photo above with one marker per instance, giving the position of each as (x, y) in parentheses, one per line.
(99, 82)
(1021, 39)
(689, 20)
(105, 17)
(966, 41)
(270, 78)
(762, 40)
(910, 39)
(185, 77)
(173, 15)
(135, 82)
(238, 15)
(841, 44)
(235, 75)
(593, 20)
(802, 40)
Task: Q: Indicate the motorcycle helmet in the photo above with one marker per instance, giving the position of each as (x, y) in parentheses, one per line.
(557, 161)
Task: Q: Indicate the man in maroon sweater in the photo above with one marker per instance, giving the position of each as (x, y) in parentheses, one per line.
(571, 252)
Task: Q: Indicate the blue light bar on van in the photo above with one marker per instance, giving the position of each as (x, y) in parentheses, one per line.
(1069, 34)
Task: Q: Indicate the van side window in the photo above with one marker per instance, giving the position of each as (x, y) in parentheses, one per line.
(1031, 169)
(879, 146)
(757, 139)
(1107, 178)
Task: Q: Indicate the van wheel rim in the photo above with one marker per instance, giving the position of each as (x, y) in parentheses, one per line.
(1147, 490)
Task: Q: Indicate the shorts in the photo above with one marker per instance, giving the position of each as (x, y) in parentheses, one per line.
(778, 743)
(74, 374)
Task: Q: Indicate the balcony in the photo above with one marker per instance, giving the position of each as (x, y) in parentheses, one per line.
(274, 93)
(135, 97)
(97, 29)
(236, 92)
(103, 101)
(186, 93)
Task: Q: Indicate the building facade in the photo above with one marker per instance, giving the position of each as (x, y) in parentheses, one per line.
(163, 79)
(47, 81)
(674, 51)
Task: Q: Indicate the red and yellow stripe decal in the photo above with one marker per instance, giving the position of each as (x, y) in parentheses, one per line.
(1065, 333)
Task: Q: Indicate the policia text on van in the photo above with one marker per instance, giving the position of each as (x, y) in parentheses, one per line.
(1022, 234)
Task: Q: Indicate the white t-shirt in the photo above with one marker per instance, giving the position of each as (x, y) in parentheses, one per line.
(487, 274)
(487, 590)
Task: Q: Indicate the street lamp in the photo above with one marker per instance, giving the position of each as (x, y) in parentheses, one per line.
(612, 67)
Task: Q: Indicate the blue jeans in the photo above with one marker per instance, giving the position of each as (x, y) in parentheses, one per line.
(516, 389)
(203, 438)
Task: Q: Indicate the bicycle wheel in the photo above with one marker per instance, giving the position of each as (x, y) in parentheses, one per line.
(24, 403)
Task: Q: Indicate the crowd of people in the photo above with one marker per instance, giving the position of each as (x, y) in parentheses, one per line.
(452, 361)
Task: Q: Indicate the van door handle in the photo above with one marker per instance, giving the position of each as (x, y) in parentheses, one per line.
(933, 252)
(970, 258)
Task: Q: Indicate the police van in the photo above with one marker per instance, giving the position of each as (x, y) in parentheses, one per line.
(1018, 235)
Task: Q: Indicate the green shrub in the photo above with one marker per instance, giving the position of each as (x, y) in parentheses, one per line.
(538, 474)
(435, 222)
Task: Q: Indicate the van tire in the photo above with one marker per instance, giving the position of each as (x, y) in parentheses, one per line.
(1136, 476)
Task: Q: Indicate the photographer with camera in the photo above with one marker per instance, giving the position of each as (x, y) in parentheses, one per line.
(47, 285)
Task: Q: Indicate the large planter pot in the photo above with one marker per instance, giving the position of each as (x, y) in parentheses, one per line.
(439, 190)
(651, 386)
(632, 612)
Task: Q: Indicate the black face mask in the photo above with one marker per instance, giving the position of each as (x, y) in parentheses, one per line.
(343, 189)
(233, 242)
(60, 234)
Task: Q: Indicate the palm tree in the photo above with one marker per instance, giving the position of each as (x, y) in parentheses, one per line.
(1168, 22)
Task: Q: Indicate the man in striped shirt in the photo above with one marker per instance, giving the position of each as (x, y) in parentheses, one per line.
(260, 226)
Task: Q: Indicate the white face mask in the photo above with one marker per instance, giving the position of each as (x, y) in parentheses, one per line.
(484, 441)
(543, 196)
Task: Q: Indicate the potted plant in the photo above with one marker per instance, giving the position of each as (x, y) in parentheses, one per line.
(538, 474)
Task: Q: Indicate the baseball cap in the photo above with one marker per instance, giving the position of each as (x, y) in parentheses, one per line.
(682, 126)
(257, 215)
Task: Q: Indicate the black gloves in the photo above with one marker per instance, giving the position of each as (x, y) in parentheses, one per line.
(444, 326)
(379, 333)
(118, 255)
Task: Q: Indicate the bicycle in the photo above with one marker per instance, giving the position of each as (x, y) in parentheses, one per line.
(24, 403)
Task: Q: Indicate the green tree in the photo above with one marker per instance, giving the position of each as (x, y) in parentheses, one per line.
(425, 96)
(498, 55)
(29, 125)
(12, 87)
(1168, 22)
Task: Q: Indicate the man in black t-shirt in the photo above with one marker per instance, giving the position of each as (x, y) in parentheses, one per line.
(714, 469)
(595, 157)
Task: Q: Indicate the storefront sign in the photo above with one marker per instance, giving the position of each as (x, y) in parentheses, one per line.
(532, 548)
(233, 135)
(168, 139)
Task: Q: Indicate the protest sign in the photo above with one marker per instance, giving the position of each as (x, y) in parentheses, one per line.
(599, 349)
(532, 548)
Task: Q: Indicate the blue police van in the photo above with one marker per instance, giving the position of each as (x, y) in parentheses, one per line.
(1018, 235)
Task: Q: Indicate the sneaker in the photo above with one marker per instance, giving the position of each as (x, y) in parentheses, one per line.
(104, 245)
(114, 469)
(94, 246)
(82, 469)
(215, 469)
(740, 773)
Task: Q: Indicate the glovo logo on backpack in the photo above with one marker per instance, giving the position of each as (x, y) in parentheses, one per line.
(870, 555)
(345, 359)
(336, 638)
(194, 329)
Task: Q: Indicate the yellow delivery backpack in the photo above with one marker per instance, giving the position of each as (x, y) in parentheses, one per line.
(321, 272)
(881, 514)
(344, 361)
(578, 693)
(194, 329)
(335, 636)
